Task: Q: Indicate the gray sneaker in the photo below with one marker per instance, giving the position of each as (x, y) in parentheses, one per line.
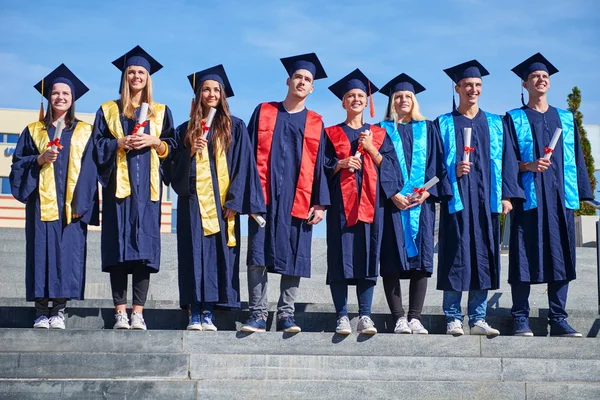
(366, 326)
(121, 321)
(57, 321)
(137, 321)
(343, 326)
(41, 322)
(402, 326)
(482, 328)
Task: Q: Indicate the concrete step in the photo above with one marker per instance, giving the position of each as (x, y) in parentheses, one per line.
(98, 389)
(166, 315)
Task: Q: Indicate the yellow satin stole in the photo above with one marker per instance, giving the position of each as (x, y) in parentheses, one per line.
(206, 194)
(113, 121)
(47, 184)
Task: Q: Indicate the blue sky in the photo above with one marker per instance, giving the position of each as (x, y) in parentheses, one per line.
(383, 38)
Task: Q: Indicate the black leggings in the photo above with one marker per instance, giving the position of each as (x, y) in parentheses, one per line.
(141, 282)
(416, 295)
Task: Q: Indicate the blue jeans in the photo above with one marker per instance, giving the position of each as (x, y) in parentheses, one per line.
(364, 292)
(198, 308)
(557, 299)
(477, 305)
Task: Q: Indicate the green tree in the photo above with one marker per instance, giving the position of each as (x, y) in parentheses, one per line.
(574, 101)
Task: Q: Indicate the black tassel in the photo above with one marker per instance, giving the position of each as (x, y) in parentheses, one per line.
(522, 97)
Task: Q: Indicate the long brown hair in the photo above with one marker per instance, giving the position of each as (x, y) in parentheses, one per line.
(220, 137)
(126, 104)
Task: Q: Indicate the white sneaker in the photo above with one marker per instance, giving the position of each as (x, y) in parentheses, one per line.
(121, 321)
(57, 321)
(137, 321)
(41, 322)
(366, 326)
(343, 326)
(482, 328)
(454, 328)
(402, 326)
(417, 327)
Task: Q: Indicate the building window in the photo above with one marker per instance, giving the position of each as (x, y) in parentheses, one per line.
(9, 137)
(5, 185)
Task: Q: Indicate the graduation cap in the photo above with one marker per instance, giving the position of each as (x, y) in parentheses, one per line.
(309, 62)
(536, 62)
(61, 74)
(402, 82)
(216, 73)
(469, 69)
(139, 57)
(355, 80)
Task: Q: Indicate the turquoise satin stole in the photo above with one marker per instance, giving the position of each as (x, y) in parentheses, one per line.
(496, 132)
(412, 180)
(525, 140)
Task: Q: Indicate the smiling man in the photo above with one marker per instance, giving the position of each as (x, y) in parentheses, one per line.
(542, 239)
(289, 146)
(483, 186)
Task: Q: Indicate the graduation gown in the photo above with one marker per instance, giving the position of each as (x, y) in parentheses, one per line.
(208, 268)
(469, 240)
(130, 226)
(542, 240)
(284, 244)
(55, 251)
(353, 251)
(394, 260)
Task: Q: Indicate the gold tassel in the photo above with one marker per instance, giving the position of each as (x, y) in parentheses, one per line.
(371, 104)
(41, 117)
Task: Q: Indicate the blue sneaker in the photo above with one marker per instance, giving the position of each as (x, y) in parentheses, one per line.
(195, 322)
(287, 324)
(521, 327)
(256, 323)
(207, 322)
(562, 328)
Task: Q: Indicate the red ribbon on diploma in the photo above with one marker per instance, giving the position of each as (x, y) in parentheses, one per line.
(548, 150)
(138, 126)
(419, 190)
(469, 149)
(204, 127)
(55, 142)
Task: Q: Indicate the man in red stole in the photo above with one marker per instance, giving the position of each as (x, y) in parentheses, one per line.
(289, 146)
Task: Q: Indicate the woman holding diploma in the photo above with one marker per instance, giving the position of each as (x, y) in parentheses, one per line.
(54, 174)
(132, 136)
(358, 188)
(553, 173)
(409, 218)
(214, 173)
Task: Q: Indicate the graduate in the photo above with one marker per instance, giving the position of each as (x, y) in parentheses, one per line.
(54, 174)
(358, 187)
(129, 155)
(289, 144)
(542, 240)
(483, 188)
(409, 222)
(216, 180)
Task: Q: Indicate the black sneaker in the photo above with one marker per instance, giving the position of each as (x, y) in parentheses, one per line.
(287, 324)
(562, 328)
(521, 327)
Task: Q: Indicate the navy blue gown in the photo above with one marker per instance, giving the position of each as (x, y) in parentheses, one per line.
(469, 240)
(394, 261)
(353, 251)
(208, 268)
(130, 226)
(55, 251)
(542, 241)
(284, 245)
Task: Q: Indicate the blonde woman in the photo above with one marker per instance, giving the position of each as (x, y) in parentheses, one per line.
(129, 156)
(409, 217)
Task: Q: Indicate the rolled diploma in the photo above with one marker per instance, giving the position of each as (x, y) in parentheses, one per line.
(428, 185)
(553, 142)
(259, 220)
(60, 125)
(467, 140)
(208, 123)
(143, 116)
(358, 153)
